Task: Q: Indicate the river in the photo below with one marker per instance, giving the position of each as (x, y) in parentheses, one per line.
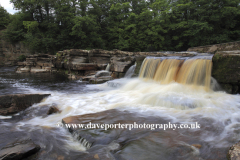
(133, 100)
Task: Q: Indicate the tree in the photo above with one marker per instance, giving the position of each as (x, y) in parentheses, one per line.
(4, 18)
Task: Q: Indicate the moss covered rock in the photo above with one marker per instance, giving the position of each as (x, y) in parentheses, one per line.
(226, 69)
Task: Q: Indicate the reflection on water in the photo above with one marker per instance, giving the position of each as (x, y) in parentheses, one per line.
(135, 100)
(13, 83)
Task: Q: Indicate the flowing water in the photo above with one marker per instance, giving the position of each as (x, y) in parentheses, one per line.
(175, 90)
(108, 67)
(130, 71)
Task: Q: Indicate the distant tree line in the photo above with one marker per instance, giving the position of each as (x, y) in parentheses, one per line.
(130, 25)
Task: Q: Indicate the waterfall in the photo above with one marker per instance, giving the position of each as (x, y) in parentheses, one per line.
(108, 67)
(194, 71)
(130, 71)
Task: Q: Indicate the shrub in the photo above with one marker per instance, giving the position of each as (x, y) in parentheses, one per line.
(22, 58)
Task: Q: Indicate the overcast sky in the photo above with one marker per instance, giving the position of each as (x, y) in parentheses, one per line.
(8, 6)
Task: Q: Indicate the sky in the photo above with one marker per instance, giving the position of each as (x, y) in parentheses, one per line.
(8, 6)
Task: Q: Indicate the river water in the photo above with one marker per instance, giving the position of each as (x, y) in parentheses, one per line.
(133, 100)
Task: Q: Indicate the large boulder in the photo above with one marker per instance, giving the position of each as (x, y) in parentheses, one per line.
(123, 134)
(11, 104)
(226, 71)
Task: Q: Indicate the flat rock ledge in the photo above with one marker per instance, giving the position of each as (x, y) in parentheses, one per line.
(11, 104)
(234, 152)
(19, 150)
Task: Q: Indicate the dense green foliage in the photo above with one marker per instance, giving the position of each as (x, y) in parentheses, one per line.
(132, 25)
(4, 18)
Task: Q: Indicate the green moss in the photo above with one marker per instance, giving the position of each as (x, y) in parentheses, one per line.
(217, 56)
(22, 58)
(225, 68)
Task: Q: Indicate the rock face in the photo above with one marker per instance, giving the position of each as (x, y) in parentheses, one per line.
(226, 71)
(121, 64)
(9, 53)
(11, 104)
(19, 150)
(234, 152)
(38, 63)
(99, 56)
(82, 61)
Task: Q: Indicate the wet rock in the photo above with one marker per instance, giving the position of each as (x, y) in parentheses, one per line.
(102, 74)
(36, 111)
(19, 150)
(234, 152)
(11, 104)
(87, 78)
(100, 80)
(137, 143)
(99, 135)
(139, 61)
(102, 66)
(53, 109)
(226, 70)
(197, 145)
(114, 75)
(100, 152)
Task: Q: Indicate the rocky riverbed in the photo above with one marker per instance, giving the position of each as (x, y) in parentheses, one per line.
(37, 133)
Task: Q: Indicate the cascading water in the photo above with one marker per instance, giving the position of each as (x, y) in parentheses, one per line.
(108, 67)
(130, 71)
(173, 89)
(191, 71)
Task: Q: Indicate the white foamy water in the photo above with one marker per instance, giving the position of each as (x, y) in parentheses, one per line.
(178, 102)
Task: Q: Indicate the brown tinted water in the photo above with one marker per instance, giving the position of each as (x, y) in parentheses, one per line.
(135, 100)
